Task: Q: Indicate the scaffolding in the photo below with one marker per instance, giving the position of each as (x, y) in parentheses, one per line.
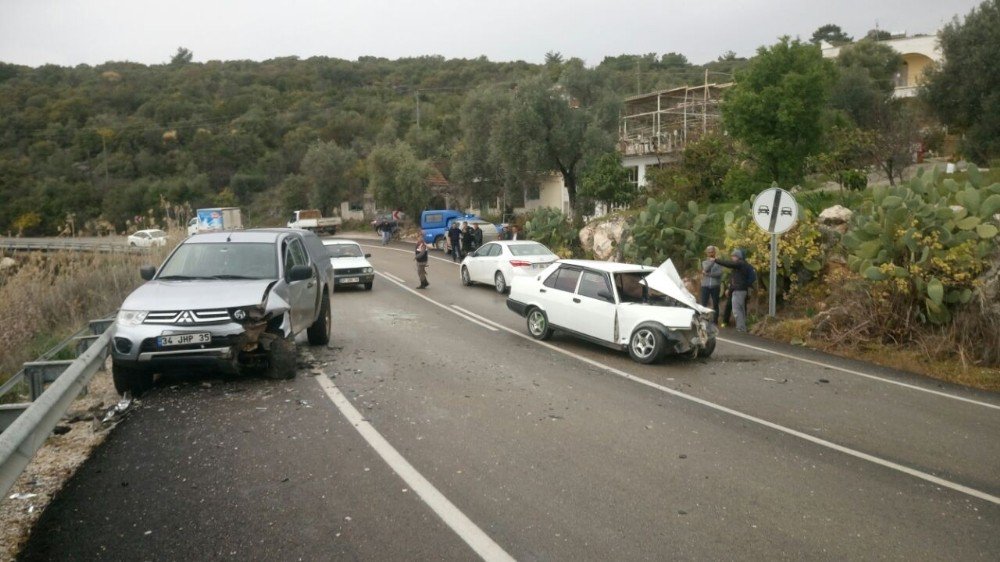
(663, 122)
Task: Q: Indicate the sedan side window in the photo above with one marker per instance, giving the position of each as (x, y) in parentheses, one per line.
(564, 279)
(593, 283)
(494, 250)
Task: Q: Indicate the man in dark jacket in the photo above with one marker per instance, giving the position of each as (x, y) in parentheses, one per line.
(739, 284)
(455, 239)
(420, 255)
(468, 241)
(477, 235)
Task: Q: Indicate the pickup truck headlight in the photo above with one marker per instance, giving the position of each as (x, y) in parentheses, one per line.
(131, 317)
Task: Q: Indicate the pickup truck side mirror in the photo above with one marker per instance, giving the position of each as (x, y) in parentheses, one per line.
(606, 296)
(299, 273)
(147, 272)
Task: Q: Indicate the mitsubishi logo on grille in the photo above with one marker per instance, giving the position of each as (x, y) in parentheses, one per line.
(185, 318)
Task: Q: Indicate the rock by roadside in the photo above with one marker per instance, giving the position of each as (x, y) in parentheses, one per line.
(81, 431)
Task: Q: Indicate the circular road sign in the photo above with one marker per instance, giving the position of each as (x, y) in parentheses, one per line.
(775, 210)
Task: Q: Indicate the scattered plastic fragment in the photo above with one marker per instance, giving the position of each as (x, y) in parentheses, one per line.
(27, 496)
(118, 408)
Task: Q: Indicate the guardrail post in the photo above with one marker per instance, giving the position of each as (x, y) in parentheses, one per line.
(41, 372)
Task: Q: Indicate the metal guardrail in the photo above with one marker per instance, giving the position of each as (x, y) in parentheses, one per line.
(25, 426)
(20, 245)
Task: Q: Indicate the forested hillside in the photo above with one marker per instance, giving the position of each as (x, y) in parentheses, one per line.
(123, 140)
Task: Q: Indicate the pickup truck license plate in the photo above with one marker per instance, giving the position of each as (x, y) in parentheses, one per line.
(184, 339)
(350, 280)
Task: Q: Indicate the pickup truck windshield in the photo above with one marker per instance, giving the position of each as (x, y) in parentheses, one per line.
(222, 261)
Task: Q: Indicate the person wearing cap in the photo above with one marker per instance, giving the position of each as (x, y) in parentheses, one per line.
(711, 281)
(739, 284)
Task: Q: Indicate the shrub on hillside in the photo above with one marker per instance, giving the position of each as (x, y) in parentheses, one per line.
(665, 229)
(553, 229)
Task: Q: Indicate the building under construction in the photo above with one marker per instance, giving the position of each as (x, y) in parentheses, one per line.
(655, 127)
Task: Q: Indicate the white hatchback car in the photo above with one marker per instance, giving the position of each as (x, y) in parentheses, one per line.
(642, 309)
(350, 264)
(147, 238)
(498, 262)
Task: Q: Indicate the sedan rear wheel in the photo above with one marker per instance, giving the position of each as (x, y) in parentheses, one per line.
(646, 345)
(466, 280)
(538, 324)
(500, 283)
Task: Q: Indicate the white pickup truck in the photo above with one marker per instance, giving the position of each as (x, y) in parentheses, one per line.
(313, 220)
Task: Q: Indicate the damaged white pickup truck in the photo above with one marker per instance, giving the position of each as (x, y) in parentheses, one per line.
(230, 301)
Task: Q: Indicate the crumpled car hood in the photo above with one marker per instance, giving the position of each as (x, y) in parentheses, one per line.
(666, 280)
(197, 294)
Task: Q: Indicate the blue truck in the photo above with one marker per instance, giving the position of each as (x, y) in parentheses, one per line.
(435, 225)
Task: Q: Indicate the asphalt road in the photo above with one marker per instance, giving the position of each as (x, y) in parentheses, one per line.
(433, 428)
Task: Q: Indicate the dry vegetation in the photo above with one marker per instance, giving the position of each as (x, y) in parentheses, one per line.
(49, 296)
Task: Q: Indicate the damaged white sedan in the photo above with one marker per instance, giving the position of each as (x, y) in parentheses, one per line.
(642, 309)
(229, 301)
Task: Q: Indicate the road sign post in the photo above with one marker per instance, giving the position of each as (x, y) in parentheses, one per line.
(775, 211)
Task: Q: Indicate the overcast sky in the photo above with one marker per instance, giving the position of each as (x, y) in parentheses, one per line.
(71, 32)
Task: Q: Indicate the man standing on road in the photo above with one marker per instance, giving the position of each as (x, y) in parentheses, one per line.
(477, 236)
(711, 281)
(467, 240)
(420, 255)
(739, 282)
(455, 239)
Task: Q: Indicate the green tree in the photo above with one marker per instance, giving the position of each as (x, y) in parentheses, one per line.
(399, 178)
(328, 167)
(964, 92)
(181, 57)
(776, 108)
(561, 125)
(607, 181)
(832, 34)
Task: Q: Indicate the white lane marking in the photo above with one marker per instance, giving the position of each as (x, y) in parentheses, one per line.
(435, 303)
(394, 278)
(468, 531)
(408, 252)
(812, 439)
(865, 375)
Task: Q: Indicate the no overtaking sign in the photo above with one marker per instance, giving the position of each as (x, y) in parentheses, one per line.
(775, 210)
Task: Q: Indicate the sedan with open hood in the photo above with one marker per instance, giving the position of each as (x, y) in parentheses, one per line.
(638, 308)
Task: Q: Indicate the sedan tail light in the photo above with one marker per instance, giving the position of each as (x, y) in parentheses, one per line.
(520, 263)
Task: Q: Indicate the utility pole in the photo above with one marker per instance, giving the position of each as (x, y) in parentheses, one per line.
(704, 108)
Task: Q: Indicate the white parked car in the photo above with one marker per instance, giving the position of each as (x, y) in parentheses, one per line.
(642, 309)
(498, 262)
(350, 264)
(147, 238)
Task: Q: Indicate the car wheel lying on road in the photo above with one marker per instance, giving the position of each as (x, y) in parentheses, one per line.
(131, 379)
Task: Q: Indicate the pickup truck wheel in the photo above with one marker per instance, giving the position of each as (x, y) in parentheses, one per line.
(281, 359)
(500, 283)
(319, 332)
(538, 324)
(646, 345)
(706, 352)
(466, 279)
(130, 379)
(439, 243)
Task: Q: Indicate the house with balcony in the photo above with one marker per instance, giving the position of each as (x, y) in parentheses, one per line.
(918, 52)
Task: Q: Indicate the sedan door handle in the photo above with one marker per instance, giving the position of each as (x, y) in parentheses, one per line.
(576, 299)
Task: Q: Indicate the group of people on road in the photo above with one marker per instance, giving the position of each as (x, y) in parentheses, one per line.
(463, 239)
(741, 279)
